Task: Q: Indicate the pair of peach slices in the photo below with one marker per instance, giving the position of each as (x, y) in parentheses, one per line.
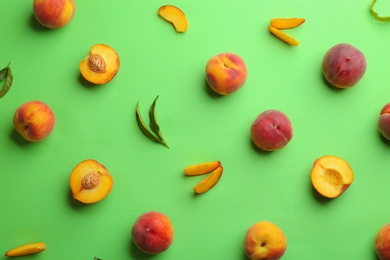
(278, 24)
(214, 168)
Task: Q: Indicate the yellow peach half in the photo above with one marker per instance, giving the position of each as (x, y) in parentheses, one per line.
(331, 176)
(283, 36)
(90, 181)
(286, 23)
(210, 181)
(101, 65)
(175, 16)
(27, 249)
(201, 168)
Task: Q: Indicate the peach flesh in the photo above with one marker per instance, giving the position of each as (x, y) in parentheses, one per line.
(90, 181)
(331, 176)
(271, 130)
(54, 13)
(152, 232)
(384, 121)
(343, 65)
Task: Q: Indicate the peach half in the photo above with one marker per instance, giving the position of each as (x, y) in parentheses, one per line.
(90, 181)
(331, 176)
(101, 65)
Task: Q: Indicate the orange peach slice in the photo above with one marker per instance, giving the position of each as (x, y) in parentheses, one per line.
(331, 176)
(210, 181)
(201, 168)
(27, 249)
(286, 23)
(90, 182)
(175, 16)
(283, 36)
(101, 65)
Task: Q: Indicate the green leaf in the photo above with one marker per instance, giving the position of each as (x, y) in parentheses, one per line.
(375, 14)
(7, 77)
(142, 126)
(154, 123)
(95, 258)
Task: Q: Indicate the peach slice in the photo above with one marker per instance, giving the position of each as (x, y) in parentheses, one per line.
(286, 23)
(201, 168)
(283, 36)
(101, 64)
(90, 181)
(210, 181)
(175, 16)
(331, 176)
(27, 249)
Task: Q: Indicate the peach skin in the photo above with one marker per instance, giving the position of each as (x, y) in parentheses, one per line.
(382, 243)
(265, 241)
(34, 120)
(226, 73)
(54, 13)
(384, 121)
(90, 181)
(331, 176)
(153, 232)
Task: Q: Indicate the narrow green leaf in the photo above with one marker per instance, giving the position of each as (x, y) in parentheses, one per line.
(154, 123)
(375, 14)
(7, 75)
(142, 126)
(95, 258)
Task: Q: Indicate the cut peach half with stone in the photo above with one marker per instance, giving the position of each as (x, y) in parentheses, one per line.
(101, 65)
(283, 36)
(331, 176)
(90, 181)
(210, 181)
(175, 16)
(201, 168)
(286, 23)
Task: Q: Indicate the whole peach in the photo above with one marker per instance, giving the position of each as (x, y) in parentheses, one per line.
(343, 65)
(271, 130)
(226, 73)
(264, 241)
(153, 232)
(384, 121)
(34, 120)
(54, 13)
(382, 242)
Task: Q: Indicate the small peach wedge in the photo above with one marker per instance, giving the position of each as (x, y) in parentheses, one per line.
(101, 65)
(286, 23)
(175, 16)
(210, 181)
(283, 36)
(201, 168)
(90, 181)
(331, 176)
(27, 249)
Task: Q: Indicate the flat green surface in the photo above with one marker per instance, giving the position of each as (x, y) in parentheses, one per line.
(99, 123)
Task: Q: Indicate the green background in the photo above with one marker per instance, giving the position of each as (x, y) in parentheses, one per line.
(98, 122)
